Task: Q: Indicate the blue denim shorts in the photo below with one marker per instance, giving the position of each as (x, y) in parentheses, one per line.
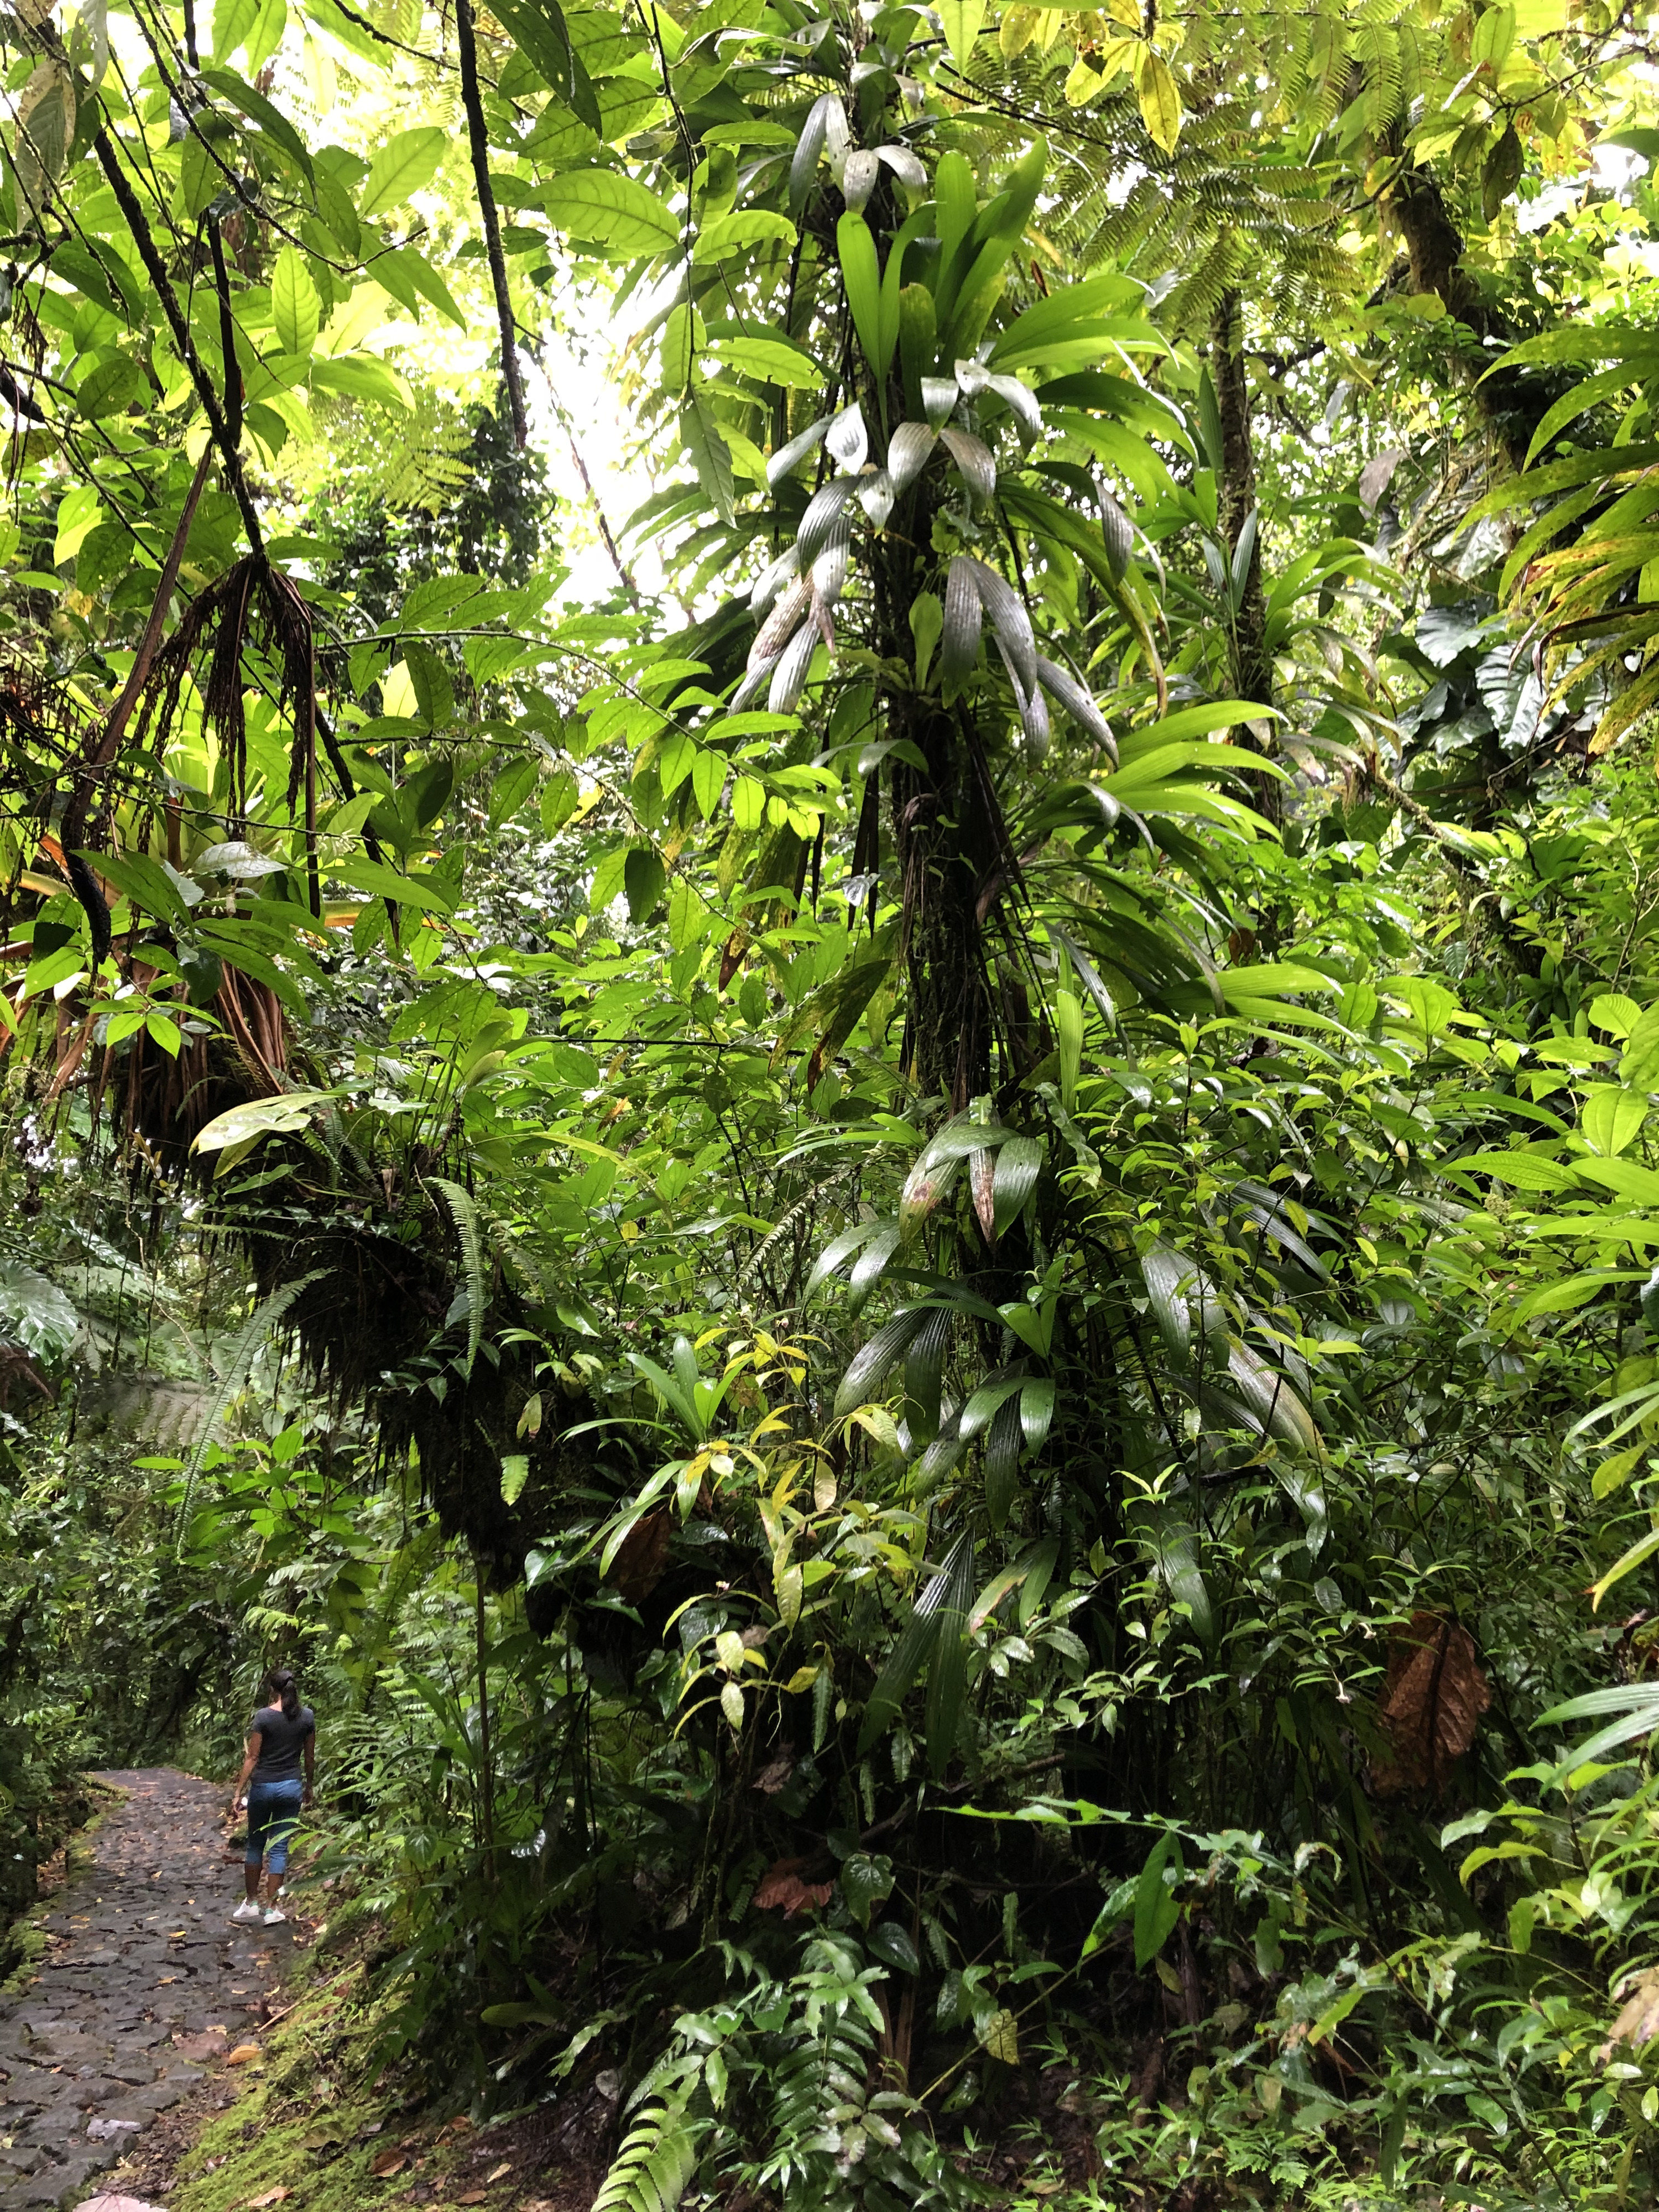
(273, 1814)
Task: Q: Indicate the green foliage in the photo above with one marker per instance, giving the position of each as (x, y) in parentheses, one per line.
(652, 2168)
(920, 1293)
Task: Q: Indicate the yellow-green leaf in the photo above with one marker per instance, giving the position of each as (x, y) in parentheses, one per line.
(260, 1117)
(1643, 1549)
(962, 19)
(683, 337)
(789, 1587)
(403, 164)
(295, 306)
(748, 227)
(1160, 100)
(1614, 1470)
(772, 360)
(1612, 1118)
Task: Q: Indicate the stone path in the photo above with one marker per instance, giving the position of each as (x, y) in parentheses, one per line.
(146, 1978)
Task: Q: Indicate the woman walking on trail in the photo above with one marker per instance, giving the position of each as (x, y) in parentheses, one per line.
(281, 1733)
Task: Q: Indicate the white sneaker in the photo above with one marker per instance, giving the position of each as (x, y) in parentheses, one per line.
(276, 1916)
(247, 1910)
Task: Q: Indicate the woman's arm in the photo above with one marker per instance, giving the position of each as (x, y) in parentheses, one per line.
(311, 1766)
(248, 1766)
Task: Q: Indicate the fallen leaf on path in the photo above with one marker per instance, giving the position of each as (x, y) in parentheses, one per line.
(386, 2163)
(495, 2172)
(209, 2043)
(457, 2126)
(472, 2197)
(242, 2053)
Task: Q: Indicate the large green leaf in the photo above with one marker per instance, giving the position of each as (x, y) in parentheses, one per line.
(283, 1115)
(962, 19)
(614, 213)
(909, 1654)
(295, 306)
(861, 275)
(539, 29)
(1157, 1912)
(403, 164)
(771, 358)
(947, 1674)
(710, 455)
(34, 1312)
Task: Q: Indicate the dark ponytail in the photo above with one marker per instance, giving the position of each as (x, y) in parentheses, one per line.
(279, 1682)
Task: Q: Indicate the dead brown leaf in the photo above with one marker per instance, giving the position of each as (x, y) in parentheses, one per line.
(1637, 2023)
(497, 2171)
(981, 1178)
(386, 2163)
(271, 2196)
(772, 1779)
(780, 1886)
(242, 2054)
(1433, 1696)
(472, 2197)
(641, 1556)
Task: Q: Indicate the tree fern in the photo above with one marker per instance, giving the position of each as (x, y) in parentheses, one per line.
(657, 2158)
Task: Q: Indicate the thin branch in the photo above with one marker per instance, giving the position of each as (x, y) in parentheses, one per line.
(83, 883)
(155, 269)
(478, 140)
(611, 547)
(384, 38)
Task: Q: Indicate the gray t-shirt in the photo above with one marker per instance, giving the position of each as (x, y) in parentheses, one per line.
(280, 1740)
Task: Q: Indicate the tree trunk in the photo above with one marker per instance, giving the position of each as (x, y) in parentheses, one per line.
(1510, 403)
(1434, 247)
(946, 857)
(946, 831)
(1252, 663)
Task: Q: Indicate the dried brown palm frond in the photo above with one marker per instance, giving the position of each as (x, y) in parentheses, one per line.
(253, 611)
(161, 1102)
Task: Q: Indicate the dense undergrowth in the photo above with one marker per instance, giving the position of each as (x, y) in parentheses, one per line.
(912, 1252)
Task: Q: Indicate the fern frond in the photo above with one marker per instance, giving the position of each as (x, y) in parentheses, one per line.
(469, 1228)
(231, 1375)
(657, 2158)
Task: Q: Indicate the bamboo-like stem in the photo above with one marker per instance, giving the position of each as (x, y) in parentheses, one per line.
(486, 1774)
